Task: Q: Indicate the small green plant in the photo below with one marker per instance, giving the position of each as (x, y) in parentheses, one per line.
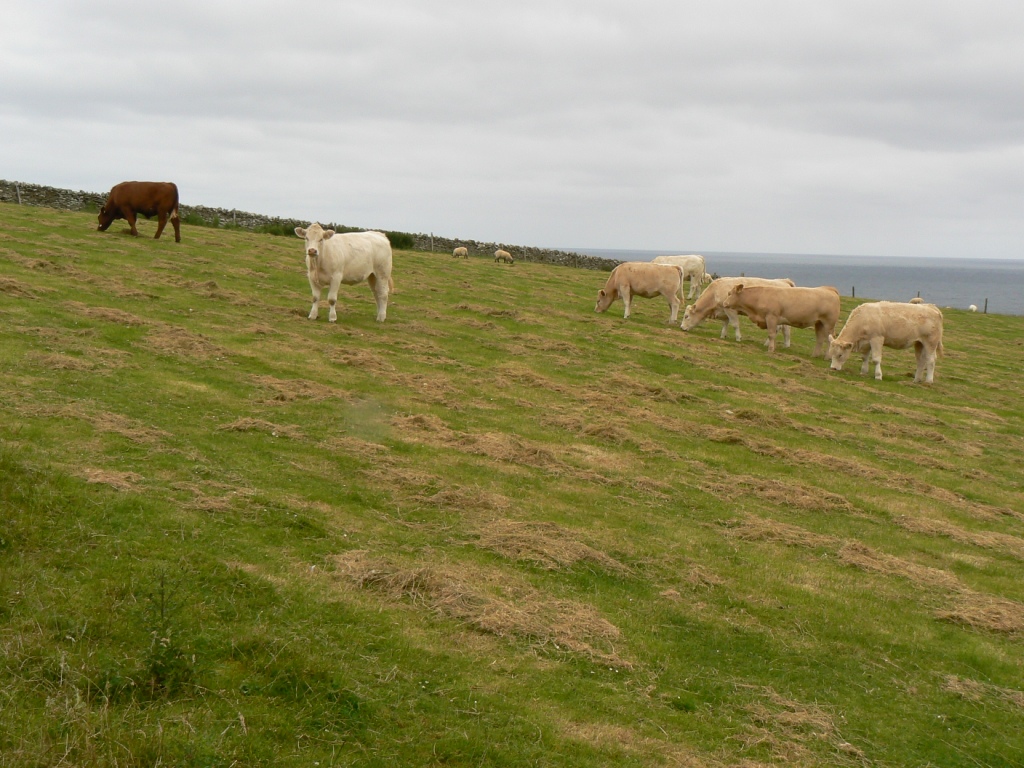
(168, 666)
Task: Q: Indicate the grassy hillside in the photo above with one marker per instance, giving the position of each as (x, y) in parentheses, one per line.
(497, 530)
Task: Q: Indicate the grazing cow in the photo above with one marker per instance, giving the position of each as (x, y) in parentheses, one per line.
(770, 306)
(142, 198)
(460, 253)
(642, 278)
(500, 255)
(709, 304)
(693, 270)
(891, 324)
(916, 300)
(349, 258)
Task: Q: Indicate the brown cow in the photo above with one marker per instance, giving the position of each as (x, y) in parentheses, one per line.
(770, 306)
(145, 198)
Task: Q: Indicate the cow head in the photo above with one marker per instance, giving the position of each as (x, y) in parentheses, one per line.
(604, 300)
(689, 318)
(732, 298)
(838, 351)
(106, 218)
(314, 235)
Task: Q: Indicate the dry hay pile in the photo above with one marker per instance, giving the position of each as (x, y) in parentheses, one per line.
(545, 544)
(487, 602)
(259, 425)
(788, 728)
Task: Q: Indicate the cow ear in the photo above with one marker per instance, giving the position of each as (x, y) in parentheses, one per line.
(831, 339)
(328, 234)
(601, 293)
(300, 232)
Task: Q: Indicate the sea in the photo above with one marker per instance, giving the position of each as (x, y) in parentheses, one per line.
(993, 285)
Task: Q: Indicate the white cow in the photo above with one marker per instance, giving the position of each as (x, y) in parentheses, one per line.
(710, 305)
(461, 252)
(642, 278)
(694, 270)
(349, 258)
(891, 324)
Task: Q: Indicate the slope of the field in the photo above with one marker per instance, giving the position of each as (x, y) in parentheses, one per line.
(497, 530)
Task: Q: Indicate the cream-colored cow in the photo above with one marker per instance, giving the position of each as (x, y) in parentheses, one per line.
(709, 305)
(641, 278)
(349, 258)
(694, 270)
(891, 324)
(770, 306)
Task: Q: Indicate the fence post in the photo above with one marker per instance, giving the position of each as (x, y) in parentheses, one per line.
(853, 292)
(986, 306)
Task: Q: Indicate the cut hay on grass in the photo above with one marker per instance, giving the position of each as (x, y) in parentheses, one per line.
(973, 690)
(784, 493)
(864, 557)
(790, 729)
(14, 287)
(1001, 542)
(552, 626)
(755, 528)
(985, 612)
(108, 314)
(259, 425)
(121, 481)
(544, 544)
(177, 342)
(287, 390)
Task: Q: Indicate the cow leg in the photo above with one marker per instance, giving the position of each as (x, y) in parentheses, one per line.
(925, 363)
(820, 340)
(733, 317)
(332, 298)
(161, 222)
(627, 297)
(876, 356)
(673, 303)
(176, 223)
(929, 373)
(773, 327)
(380, 293)
(314, 313)
(129, 216)
(785, 335)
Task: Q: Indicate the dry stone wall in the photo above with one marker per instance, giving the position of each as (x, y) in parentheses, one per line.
(66, 199)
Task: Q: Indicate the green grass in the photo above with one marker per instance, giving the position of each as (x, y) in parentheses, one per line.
(498, 529)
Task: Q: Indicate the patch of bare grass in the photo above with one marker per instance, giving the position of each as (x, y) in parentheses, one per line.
(503, 609)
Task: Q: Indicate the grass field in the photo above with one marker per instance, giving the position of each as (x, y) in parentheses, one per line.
(497, 530)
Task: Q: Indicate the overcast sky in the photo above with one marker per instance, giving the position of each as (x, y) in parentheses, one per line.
(851, 127)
